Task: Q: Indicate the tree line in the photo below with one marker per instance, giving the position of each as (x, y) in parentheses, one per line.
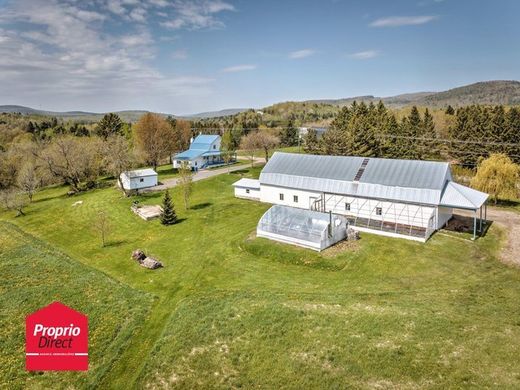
(372, 130)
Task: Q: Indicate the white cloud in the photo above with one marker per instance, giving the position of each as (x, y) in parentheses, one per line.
(238, 68)
(63, 54)
(364, 55)
(397, 21)
(180, 54)
(301, 53)
(197, 14)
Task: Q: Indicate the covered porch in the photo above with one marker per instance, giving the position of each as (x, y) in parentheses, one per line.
(457, 196)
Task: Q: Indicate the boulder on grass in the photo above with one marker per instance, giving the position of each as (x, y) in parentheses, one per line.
(138, 255)
(151, 263)
(352, 235)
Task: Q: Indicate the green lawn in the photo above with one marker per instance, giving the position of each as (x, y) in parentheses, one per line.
(234, 311)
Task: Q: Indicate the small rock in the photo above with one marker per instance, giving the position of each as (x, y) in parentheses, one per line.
(352, 235)
(138, 255)
(151, 263)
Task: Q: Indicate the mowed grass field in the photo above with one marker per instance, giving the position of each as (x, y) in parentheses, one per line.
(229, 310)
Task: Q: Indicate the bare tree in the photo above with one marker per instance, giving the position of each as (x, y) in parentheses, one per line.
(154, 138)
(185, 183)
(73, 160)
(102, 226)
(29, 179)
(267, 141)
(249, 144)
(12, 199)
(118, 157)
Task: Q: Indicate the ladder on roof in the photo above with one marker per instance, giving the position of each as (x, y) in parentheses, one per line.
(361, 169)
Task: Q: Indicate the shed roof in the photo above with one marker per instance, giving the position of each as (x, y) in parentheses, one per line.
(462, 197)
(247, 183)
(400, 180)
(140, 173)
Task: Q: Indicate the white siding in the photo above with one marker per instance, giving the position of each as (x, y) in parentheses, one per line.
(241, 192)
(137, 183)
(443, 216)
(271, 194)
(401, 213)
(196, 163)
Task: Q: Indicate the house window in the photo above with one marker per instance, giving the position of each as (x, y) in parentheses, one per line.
(247, 190)
(214, 146)
(141, 180)
(379, 211)
(281, 196)
(347, 206)
(295, 198)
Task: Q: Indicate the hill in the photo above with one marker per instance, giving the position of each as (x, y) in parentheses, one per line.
(485, 92)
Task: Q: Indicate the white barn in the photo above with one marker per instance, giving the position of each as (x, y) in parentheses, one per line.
(398, 198)
(139, 179)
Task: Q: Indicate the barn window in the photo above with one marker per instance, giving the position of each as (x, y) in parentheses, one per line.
(281, 196)
(379, 211)
(247, 190)
(141, 180)
(347, 206)
(295, 198)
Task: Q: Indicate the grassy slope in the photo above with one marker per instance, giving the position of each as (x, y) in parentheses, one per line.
(235, 311)
(34, 275)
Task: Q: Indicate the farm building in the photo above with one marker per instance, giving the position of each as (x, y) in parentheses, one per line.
(398, 198)
(247, 189)
(204, 151)
(139, 179)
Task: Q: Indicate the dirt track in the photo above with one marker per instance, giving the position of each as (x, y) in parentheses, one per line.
(510, 221)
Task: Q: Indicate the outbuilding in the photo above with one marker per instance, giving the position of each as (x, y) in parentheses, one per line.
(247, 189)
(139, 179)
(398, 198)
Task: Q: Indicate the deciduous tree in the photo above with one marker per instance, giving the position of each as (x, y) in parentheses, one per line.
(498, 176)
(154, 138)
(185, 183)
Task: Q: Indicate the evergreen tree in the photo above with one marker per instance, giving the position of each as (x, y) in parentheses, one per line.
(450, 110)
(168, 216)
(428, 146)
(110, 124)
(512, 134)
(289, 134)
(310, 142)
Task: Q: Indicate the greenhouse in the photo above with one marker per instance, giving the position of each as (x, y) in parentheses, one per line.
(305, 228)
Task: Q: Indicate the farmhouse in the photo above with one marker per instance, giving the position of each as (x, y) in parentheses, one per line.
(139, 179)
(398, 198)
(204, 151)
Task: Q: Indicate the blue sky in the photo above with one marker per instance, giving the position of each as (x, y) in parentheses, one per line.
(189, 56)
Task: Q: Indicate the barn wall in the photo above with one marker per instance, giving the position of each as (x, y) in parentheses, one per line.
(271, 194)
(406, 214)
(443, 216)
(241, 192)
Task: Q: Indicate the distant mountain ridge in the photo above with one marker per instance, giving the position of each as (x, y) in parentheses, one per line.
(485, 92)
(505, 92)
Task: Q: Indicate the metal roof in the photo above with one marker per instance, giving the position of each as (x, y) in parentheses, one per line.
(399, 180)
(140, 173)
(201, 145)
(247, 183)
(462, 197)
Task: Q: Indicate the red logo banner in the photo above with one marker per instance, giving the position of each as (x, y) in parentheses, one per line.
(56, 339)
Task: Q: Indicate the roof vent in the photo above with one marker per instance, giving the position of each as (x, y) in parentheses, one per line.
(361, 169)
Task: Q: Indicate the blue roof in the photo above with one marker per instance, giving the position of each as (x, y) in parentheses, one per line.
(189, 154)
(200, 146)
(204, 140)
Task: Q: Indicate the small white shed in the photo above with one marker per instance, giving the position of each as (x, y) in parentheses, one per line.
(247, 189)
(139, 179)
